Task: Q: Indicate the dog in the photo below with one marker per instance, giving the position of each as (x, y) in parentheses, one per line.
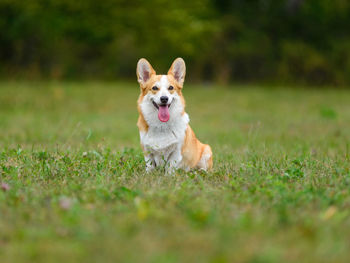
(165, 134)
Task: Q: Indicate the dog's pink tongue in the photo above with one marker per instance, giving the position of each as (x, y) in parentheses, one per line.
(163, 113)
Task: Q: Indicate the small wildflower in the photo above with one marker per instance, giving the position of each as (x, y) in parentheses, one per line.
(329, 213)
(5, 187)
(65, 203)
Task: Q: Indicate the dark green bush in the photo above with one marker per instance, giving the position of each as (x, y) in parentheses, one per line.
(225, 40)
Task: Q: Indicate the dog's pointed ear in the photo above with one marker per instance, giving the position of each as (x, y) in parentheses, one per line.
(144, 71)
(178, 70)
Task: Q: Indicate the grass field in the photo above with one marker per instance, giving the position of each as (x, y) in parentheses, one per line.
(73, 186)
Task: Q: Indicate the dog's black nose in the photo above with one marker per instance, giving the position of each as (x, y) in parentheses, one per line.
(164, 99)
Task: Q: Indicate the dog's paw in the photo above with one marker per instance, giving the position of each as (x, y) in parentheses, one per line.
(170, 171)
(149, 169)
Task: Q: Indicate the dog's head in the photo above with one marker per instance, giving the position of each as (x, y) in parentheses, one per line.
(161, 94)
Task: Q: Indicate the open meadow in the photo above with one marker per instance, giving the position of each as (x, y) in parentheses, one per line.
(74, 188)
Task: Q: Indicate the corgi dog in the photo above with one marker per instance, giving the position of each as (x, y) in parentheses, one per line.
(166, 136)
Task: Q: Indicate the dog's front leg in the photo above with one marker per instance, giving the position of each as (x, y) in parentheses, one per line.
(174, 162)
(150, 163)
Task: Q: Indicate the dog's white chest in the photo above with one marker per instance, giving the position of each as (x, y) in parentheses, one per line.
(165, 137)
(159, 141)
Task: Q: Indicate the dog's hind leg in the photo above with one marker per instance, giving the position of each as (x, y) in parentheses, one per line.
(206, 161)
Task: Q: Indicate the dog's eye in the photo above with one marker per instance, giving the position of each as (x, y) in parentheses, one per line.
(171, 88)
(155, 88)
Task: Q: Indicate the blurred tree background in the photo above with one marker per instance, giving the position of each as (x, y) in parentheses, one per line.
(289, 41)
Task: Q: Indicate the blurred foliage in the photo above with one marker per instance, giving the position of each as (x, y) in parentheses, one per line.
(223, 40)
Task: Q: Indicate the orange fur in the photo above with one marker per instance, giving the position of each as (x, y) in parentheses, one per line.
(193, 149)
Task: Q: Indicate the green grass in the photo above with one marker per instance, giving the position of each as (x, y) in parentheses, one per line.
(74, 187)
